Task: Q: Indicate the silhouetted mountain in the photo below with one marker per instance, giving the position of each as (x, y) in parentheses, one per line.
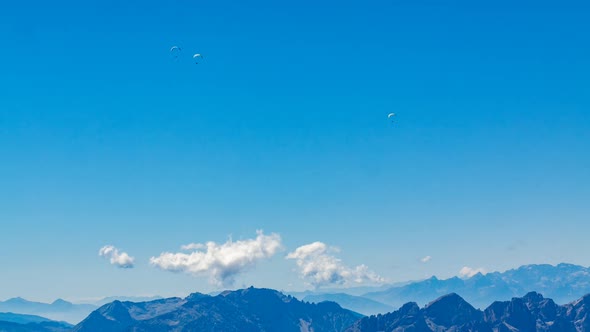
(59, 310)
(563, 283)
(358, 304)
(532, 312)
(10, 322)
(245, 310)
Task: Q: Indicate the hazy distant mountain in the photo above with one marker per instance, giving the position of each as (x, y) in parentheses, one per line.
(451, 313)
(563, 283)
(22, 319)
(358, 304)
(356, 291)
(244, 310)
(11, 322)
(59, 310)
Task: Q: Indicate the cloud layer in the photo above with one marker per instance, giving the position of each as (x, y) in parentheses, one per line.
(468, 272)
(317, 265)
(119, 259)
(221, 262)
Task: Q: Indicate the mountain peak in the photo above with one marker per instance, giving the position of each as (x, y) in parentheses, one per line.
(451, 299)
(451, 309)
(17, 299)
(196, 296)
(253, 292)
(409, 308)
(533, 297)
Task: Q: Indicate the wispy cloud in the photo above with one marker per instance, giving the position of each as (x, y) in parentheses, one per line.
(221, 262)
(426, 259)
(468, 272)
(318, 265)
(117, 258)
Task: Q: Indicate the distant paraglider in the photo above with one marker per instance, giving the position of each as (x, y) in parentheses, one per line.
(175, 52)
(197, 58)
(391, 117)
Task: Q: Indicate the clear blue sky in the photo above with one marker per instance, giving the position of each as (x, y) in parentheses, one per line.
(105, 140)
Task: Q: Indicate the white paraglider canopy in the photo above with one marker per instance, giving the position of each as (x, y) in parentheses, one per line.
(175, 52)
(197, 57)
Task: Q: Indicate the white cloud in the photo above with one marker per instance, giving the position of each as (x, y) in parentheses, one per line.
(221, 262)
(426, 259)
(316, 263)
(468, 272)
(119, 259)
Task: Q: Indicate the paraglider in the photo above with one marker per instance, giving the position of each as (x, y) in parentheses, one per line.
(390, 116)
(175, 52)
(197, 57)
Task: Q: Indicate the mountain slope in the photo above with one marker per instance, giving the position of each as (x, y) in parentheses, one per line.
(243, 310)
(563, 283)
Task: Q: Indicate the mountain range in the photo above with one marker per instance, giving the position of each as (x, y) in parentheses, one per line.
(266, 310)
(62, 310)
(243, 310)
(563, 283)
(59, 310)
(532, 312)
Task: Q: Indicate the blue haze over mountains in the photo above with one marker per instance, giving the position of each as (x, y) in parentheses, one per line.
(563, 284)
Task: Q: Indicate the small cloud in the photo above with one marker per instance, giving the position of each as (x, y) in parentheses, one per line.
(118, 259)
(317, 264)
(468, 272)
(426, 259)
(221, 262)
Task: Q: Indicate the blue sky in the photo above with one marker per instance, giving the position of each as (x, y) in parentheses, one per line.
(104, 139)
